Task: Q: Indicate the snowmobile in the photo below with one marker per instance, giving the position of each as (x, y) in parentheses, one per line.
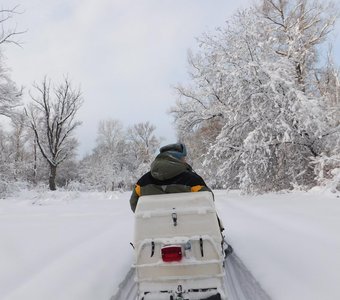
(179, 251)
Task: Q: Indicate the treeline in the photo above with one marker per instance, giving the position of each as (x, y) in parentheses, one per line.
(120, 156)
(38, 144)
(261, 112)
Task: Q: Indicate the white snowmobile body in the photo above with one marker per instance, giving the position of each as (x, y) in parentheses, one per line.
(178, 248)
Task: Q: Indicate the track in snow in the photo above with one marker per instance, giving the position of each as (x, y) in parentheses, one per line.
(241, 284)
(127, 289)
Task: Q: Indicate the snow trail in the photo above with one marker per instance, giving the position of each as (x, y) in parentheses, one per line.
(241, 284)
(127, 289)
(76, 246)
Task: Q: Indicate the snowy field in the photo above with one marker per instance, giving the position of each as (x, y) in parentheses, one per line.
(70, 245)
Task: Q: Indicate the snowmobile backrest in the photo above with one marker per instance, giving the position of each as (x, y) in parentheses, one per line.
(161, 202)
(176, 215)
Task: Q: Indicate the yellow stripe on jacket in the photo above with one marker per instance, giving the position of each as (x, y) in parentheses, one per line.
(137, 189)
(196, 188)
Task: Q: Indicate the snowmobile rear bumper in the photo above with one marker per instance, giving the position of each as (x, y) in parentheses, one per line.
(172, 296)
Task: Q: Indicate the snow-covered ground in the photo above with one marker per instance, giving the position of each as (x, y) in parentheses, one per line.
(70, 245)
(64, 245)
(290, 242)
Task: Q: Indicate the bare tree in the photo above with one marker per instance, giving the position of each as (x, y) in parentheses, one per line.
(110, 135)
(144, 141)
(51, 116)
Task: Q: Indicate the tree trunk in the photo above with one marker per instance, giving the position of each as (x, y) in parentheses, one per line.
(53, 173)
(35, 162)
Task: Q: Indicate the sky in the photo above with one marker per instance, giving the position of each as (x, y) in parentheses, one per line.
(125, 55)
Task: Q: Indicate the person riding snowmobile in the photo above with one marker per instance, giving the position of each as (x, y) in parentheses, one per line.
(169, 173)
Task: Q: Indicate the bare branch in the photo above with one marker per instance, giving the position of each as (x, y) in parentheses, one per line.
(185, 93)
(9, 35)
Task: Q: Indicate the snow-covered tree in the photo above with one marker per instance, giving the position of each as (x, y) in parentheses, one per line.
(327, 165)
(120, 156)
(18, 143)
(10, 95)
(198, 142)
(51, 116)
(328, 84)
(107, 166)
(247, 78)
(299, 26)
(144, 144)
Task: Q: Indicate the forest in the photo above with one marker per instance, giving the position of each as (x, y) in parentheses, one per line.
(261, 112)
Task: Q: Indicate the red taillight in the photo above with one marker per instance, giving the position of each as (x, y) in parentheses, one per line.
(171, 253)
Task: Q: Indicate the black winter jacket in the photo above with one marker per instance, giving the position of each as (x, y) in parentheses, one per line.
(167, 175)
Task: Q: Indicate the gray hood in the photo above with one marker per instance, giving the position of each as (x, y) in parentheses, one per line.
(166, 167)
